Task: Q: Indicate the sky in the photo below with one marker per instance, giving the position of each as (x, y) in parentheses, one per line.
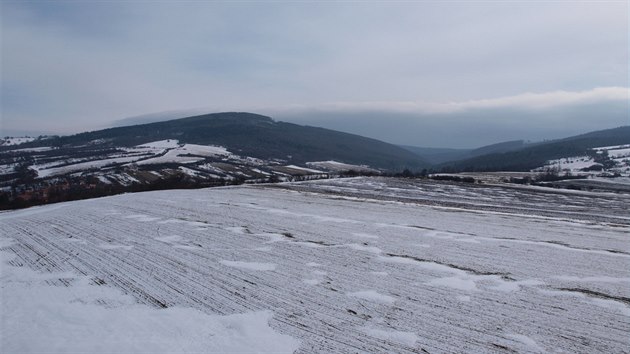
(426, 73)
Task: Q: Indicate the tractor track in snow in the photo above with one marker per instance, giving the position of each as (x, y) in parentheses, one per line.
(346, 275)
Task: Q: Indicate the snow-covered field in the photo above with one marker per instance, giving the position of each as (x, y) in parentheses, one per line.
(173, 152)
(339, 166)
(573, 164)
(356, 265)
(164, 151)
(619, 155)
(15, 140)
(143, 165)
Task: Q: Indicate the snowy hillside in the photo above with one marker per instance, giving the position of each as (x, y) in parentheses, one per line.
(369, 265)
(605, 160)
(11, 141)
(37, 175)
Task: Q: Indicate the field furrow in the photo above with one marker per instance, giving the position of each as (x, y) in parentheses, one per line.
(345, 268)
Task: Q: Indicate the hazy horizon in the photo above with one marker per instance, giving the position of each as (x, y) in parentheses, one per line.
(373, 125)
(424, 74)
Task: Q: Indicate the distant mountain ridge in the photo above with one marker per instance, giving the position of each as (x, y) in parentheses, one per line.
(234, 147)
(441, 155)
(257, 136)
(194, 152)
(536, 155)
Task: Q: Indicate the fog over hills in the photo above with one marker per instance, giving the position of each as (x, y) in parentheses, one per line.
(459, 124)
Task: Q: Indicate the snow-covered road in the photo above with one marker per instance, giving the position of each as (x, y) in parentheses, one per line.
(328, 271)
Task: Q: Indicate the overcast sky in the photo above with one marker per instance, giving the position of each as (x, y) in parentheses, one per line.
(425, 73)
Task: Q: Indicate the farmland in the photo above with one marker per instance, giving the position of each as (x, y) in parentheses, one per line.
(350, 265)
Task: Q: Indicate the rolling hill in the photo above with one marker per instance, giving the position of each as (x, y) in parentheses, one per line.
(233, 148)
(441, 155)
(256, 136)
(533, 156)
(194, 152)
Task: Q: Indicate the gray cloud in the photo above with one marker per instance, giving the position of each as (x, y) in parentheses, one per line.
(72, 66)
(473, 127)
(465, 124)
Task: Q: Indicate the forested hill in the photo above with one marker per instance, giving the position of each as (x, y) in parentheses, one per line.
(442, 155)
(536, 155)
(257, 136)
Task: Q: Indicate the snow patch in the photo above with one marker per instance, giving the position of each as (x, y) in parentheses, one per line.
(273, 237)
(617, 153)
(613, 147)
(44, 171)
(339, 166)
(58, 319)
(406, 338)
(37, 149)
(459, 283)
(161, 144)
(511, 286)
(141, 218)
(294, 167)
(530, 343)
(204, 150)
(15, 140)
(372, 295)
(249, 265)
